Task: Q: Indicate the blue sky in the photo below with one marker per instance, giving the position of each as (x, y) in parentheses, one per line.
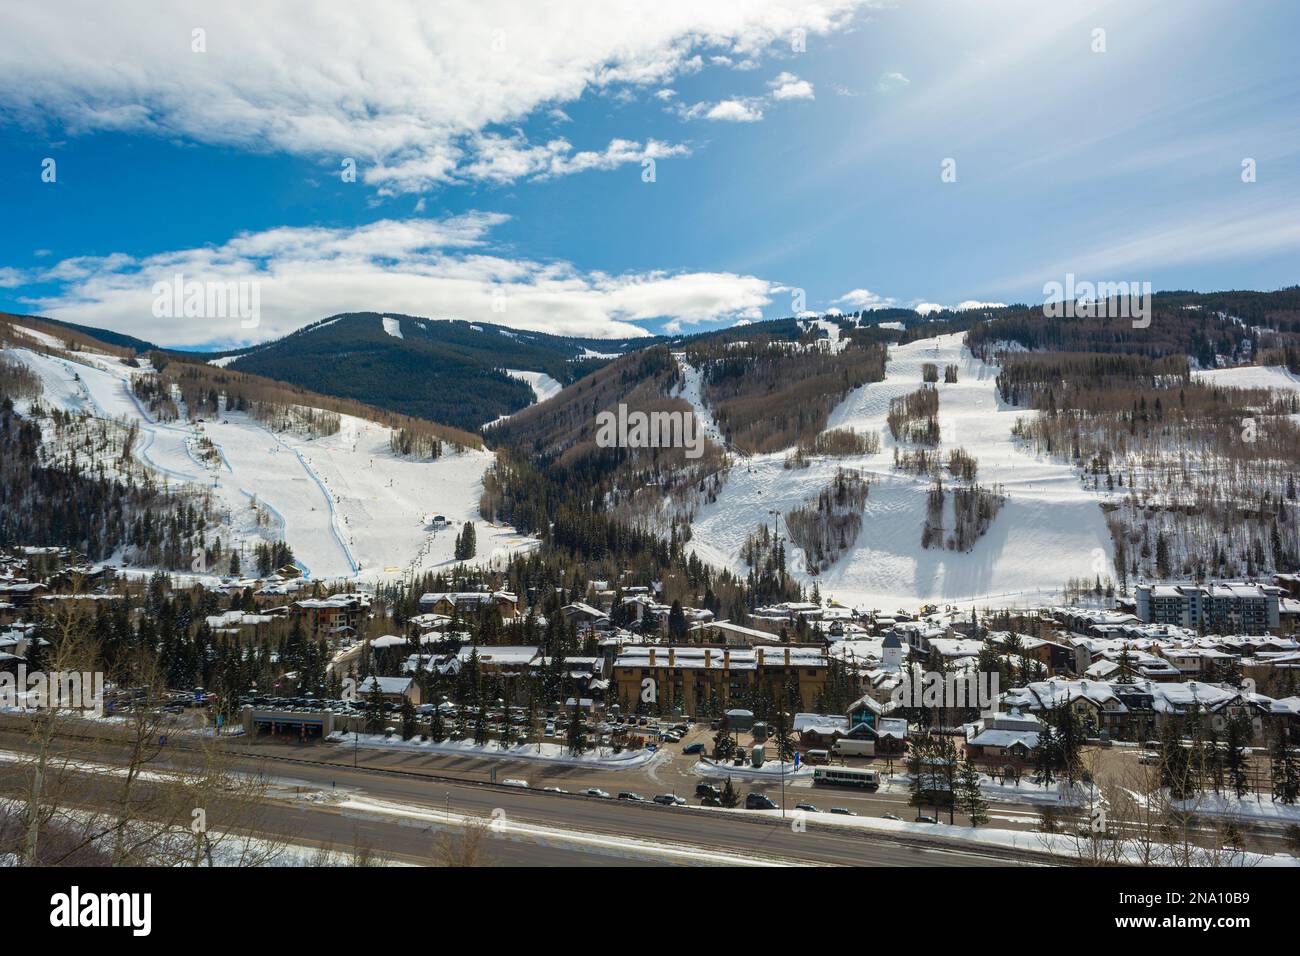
(500, 157)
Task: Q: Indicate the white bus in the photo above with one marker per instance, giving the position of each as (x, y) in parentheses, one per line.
(846, 777)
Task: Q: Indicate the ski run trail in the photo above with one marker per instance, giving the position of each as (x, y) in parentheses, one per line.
(1050, 529)
(347, 506)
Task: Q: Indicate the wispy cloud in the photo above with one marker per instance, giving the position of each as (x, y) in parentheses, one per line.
(892, 83)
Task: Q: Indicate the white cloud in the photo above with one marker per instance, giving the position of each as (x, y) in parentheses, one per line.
(892, 83)
(787, 86)
(441, 269)
(410, 90)
(866, 299)
(736, 111)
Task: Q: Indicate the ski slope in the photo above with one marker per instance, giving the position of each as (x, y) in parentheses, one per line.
(1250, 376)
(1050, 529)
(543, 385)
(347, 506)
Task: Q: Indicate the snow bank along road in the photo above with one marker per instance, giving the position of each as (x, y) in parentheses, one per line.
(345, 503)
(1050, 529)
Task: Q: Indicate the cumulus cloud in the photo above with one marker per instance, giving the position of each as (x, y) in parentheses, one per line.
(787, 86)
(438, 268)
(414, 92)
(737, 109)
(866, 299)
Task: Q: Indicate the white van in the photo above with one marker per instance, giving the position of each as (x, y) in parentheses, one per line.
(844, 747)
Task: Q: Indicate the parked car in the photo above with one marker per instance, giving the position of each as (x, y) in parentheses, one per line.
(1148, 759)
(843, 811)
(707, 790)
(710, 801)
(629, 795)
(759, 801)
(515, 782)
(806, 808)
(693, 749)
(925, 819)
(555, 790)
(891, 816)
(597, 792)
(669, 800)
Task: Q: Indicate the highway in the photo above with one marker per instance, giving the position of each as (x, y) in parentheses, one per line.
(394, 811)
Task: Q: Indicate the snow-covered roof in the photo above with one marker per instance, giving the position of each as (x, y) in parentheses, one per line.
(824, 724)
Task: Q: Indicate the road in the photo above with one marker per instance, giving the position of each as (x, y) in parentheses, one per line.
(395, 811)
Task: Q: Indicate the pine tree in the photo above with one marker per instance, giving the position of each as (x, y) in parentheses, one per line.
(724, 745)
(408, 718)
(1046, 755)
(729, 798)
(1235, 754)
(374, 708)
(1069, 742)
(577, 733)
(437, 727)
(676, 623)
(1285, 769)
(783, 737)
(970, 799)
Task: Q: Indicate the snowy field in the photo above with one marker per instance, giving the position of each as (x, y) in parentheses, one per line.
(546, 753)
(1250, 376)
(1050, 529)
(345, 503)
(543, 385)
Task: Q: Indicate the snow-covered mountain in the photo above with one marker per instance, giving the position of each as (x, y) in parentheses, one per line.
(346, 504)
(1049, 530)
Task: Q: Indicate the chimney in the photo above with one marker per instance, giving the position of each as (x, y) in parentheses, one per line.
(652, 657)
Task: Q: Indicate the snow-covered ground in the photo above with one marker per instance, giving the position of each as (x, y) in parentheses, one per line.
(543, 385)
(1256, 808)
(552, 754)
(345, 503)
(1250, 376)
(1060, 845)
(772, 770)
(1049, 531)
(690, 391)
